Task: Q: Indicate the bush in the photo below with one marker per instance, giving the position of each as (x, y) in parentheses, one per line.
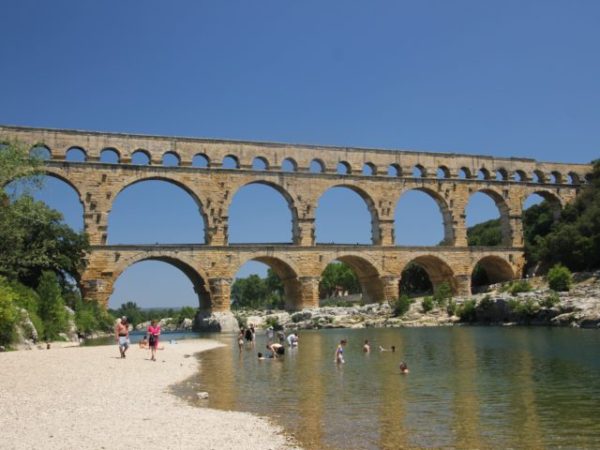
(524, 310)
(272, 321)
(401, 305)
(467, 310)
(452, 308)
(442, 294)
(52, 306)
(559, 278)
(427, 304)
(551, 300)
(519, 286)
(8, 313)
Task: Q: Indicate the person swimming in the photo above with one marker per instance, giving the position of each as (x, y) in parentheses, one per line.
(403, 368)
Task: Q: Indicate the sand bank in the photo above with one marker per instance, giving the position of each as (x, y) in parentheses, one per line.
(89, 398)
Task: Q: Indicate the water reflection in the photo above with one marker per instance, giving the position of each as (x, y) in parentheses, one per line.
(467, 388)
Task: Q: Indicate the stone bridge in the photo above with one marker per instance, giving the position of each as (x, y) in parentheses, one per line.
(101, 165)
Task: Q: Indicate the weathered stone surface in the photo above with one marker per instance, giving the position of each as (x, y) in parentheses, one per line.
(218, 321)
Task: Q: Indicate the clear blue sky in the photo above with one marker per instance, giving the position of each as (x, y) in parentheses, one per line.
(505, 78)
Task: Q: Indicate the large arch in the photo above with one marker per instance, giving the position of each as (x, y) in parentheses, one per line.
(447, 233)
(175, 218)
(289, 202)
(368, 276)
(555, 202)
(503, 210)
(438, 270)
(287, 273)
(197, 278)
(496, 269)
(371, 211)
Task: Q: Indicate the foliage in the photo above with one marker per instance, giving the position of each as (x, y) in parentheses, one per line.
(8, 312)
(442, 294)
(518, 286)
(559, 278)
(34, 239)
(338, 275)
(551, 300)
(52, 306)
(401, 305)
(452, 308)
(273, 321)
(415, 281)
(258, 293)
(338, 301)
(29, 300)
(467, 311)
(525, 310)
(427, 304)
(488, 234)
(187, 312)
(15, 162)
(132, 311)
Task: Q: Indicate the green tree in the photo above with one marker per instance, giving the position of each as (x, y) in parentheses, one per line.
(488, 234)
(16, 163)
(338, 275)
(52, 305)
(415, 281)
(559, 278)
(132, 311)
(8, 312)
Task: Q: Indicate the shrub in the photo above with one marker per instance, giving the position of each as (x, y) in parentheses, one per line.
(551, 300)
(559, 278)
(452, 308)
(401, 305)
(8, 313)
(273, 321)
(442, 294)
(427, 304)
(524, 310)
(52, 306)
(519, 286)
(467, 310)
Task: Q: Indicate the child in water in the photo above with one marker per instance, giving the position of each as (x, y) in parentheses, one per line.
(339, 352)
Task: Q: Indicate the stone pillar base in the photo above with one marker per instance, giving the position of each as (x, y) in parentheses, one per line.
(223, 322)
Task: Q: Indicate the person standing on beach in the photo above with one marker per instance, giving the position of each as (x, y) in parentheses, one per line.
(339, 352)
(153, 334)
(122, 335)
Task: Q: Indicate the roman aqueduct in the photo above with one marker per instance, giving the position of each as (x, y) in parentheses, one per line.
(211, 171)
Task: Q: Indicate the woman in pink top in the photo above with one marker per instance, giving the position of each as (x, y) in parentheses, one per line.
(153, 333)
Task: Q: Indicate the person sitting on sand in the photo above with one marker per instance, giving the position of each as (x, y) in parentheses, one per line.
(276, 349)
(143, 342)
(403, 368)
(366, 347)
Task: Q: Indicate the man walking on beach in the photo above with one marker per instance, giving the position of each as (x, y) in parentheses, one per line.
(122, 335)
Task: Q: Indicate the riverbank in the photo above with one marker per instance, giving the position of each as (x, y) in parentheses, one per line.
(90, 398)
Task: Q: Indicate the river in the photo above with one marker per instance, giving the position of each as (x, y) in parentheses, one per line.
(468, 387)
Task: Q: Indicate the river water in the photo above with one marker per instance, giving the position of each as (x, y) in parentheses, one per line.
(468, 387)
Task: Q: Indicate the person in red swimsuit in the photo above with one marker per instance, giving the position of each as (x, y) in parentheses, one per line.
(153, 334)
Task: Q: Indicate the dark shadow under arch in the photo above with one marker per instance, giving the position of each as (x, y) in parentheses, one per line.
(437, 269)
(288, 277)
(490, 270)
(368, 276)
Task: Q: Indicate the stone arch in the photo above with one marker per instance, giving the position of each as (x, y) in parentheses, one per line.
(317, 166)
(573, 178)
(556, 177)
(503, 210)
(146, 153)
(483, 174)
(287, 273)
(230, 159)
(464, 173)
(201, 160)
(289, 165)
(343, 168)
(501, 174)
(538, 176)
(520, 176)
(198, 279)
(445, 212)
(419, 171)
(197, 200)
(41, 151)
(369, 169)
(174, 156)
(368, 276)
(394, 170)
(368, 199)
(260, 163)
(438, 270)
(78, 153)
(106, 152)
(443, 172)
(555, 201)
(497, 268)
(295, 238)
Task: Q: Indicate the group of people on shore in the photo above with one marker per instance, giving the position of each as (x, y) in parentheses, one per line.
(149, 341)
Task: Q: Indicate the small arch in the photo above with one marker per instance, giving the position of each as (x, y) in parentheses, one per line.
(437, 269)
(343, 168)
(369, 169)
(443, 172)
(289, 165)
(464, 173)
(41, 152)
(419, 171)
(110, 155)
(230, 162)
(501, 174)
(75, 154)
(368, 277)
(573, 178)
(171, 159)
(479, 208)
(141, 157)
(556, 177)
(519, 176)
(260, 163)
(483, 174)
(394, 170)
(201, 161)
(317, 166)
(490, 269)
(538, 177)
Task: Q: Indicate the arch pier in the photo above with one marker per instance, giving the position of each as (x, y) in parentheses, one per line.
(101, 165)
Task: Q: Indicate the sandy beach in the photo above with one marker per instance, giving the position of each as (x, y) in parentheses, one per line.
(89, 398)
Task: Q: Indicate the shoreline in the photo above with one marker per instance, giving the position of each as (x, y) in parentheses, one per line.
(89, 398)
